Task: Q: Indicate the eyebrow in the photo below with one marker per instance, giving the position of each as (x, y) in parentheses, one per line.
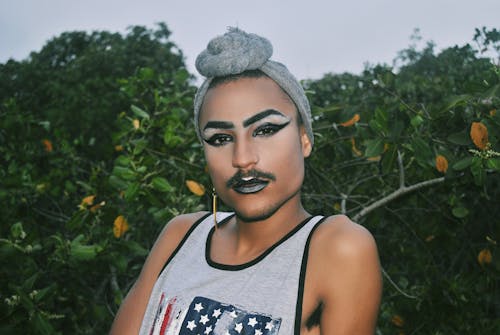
(246, 123)
(219, 125)
(260, 116)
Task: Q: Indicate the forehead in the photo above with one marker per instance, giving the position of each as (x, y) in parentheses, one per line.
(244, 97)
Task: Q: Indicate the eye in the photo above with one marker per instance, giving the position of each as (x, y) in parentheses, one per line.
(218, 140)
(268, 129)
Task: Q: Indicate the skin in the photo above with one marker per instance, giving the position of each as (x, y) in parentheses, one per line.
(251, 125)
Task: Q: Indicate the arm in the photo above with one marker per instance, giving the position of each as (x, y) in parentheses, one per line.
(350, 282)
(129, 317)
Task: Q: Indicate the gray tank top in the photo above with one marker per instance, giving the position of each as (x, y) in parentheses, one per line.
(196, 296)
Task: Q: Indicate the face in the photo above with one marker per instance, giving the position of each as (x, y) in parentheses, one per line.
(254, 146)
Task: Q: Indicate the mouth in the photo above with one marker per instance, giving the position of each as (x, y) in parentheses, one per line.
(249, 185)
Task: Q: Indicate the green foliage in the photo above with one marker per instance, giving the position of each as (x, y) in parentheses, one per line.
(429, 237)
(80, 215)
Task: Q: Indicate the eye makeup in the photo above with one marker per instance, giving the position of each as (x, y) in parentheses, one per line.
(265, 124)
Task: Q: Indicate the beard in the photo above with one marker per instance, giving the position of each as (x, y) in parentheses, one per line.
(264, 213)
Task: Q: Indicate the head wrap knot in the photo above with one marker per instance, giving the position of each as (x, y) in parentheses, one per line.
(237, 51)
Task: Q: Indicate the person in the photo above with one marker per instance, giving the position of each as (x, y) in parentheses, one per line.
(268, 267)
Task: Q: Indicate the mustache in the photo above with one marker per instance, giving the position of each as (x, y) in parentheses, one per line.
(238, 177)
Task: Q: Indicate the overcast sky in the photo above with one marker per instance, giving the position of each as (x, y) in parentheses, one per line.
(311, 37)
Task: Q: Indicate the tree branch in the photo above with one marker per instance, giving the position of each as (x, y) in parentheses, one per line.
(401, 170)
(396, 194)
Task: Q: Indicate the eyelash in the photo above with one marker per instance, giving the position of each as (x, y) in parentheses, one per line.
(268, 129)
(265, 130)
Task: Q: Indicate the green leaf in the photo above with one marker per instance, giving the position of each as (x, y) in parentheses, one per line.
(460, 212)
(457, 101)
(42, 325)
(122, 161)
(493, 163)
(416, 121)
(161, 184)
(462, 164)
(477, 171)
(124, 173)
(460, 138)
(118, 183)
(139, 112)
(81, 252)
(140, 145)
(17, 231)
(131, 191)
(389, 158)
(374, 147)
(422, 150)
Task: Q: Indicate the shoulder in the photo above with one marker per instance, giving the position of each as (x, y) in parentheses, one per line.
(345, 272)
(173, 233)
(343, 249)
(129, 317)
(338, 236)
(179, 226)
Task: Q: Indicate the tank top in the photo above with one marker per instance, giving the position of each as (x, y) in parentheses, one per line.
(194, 295)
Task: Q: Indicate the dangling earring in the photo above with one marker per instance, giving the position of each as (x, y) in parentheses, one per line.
(214, 206)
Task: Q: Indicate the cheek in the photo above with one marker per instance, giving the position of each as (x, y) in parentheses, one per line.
(219, 165)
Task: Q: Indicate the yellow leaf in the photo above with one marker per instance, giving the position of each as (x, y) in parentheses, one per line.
(493, 112)
(136, 123)
(195, 188)
(429, 238)
(88, 200)
(373, 159)
(479, 135)
(350, 122)
(337, 207)
(441, 163)
(94, 208)
(47, 144)
(120, 226)
(118, 148)
(484, 257)
(398, 321)
(354, 149)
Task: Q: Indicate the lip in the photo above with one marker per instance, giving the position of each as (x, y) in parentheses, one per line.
(250, 186)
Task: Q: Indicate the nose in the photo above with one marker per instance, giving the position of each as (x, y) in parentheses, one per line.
(244, 155)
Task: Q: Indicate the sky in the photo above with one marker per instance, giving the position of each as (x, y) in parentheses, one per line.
(311, 37)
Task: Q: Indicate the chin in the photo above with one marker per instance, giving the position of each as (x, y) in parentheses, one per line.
(262, 211)
(254, 216)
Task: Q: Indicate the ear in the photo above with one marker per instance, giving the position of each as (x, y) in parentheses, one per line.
(305, 142)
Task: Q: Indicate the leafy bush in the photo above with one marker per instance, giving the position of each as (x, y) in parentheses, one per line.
(411, 153)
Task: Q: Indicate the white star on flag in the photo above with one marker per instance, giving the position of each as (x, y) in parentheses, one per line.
(252, 322)
(269, 326)
(216, 313)
(198, 307)
(208, 330)
(191, 325)
(238, 327)
(204, 319)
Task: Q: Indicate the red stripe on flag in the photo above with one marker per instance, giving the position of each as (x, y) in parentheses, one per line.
(166, 319)
(157, 314)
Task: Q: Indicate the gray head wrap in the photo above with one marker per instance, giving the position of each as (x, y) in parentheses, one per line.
(237, 51)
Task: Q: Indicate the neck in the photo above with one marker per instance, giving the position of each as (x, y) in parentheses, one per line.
(251, 235)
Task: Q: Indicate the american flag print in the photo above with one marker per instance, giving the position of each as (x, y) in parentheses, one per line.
(205, 316)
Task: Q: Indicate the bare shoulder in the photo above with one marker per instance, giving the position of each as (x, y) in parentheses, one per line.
(346, 276)
(170, 237)
(131, 312)
(178, 227)
(338, 236)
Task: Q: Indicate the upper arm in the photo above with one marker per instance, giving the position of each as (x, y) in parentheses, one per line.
(129, 317)
(350, 283)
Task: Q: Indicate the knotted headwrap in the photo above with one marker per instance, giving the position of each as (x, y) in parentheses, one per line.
(237, 51)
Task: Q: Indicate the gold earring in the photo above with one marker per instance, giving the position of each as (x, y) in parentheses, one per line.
(214, 206)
